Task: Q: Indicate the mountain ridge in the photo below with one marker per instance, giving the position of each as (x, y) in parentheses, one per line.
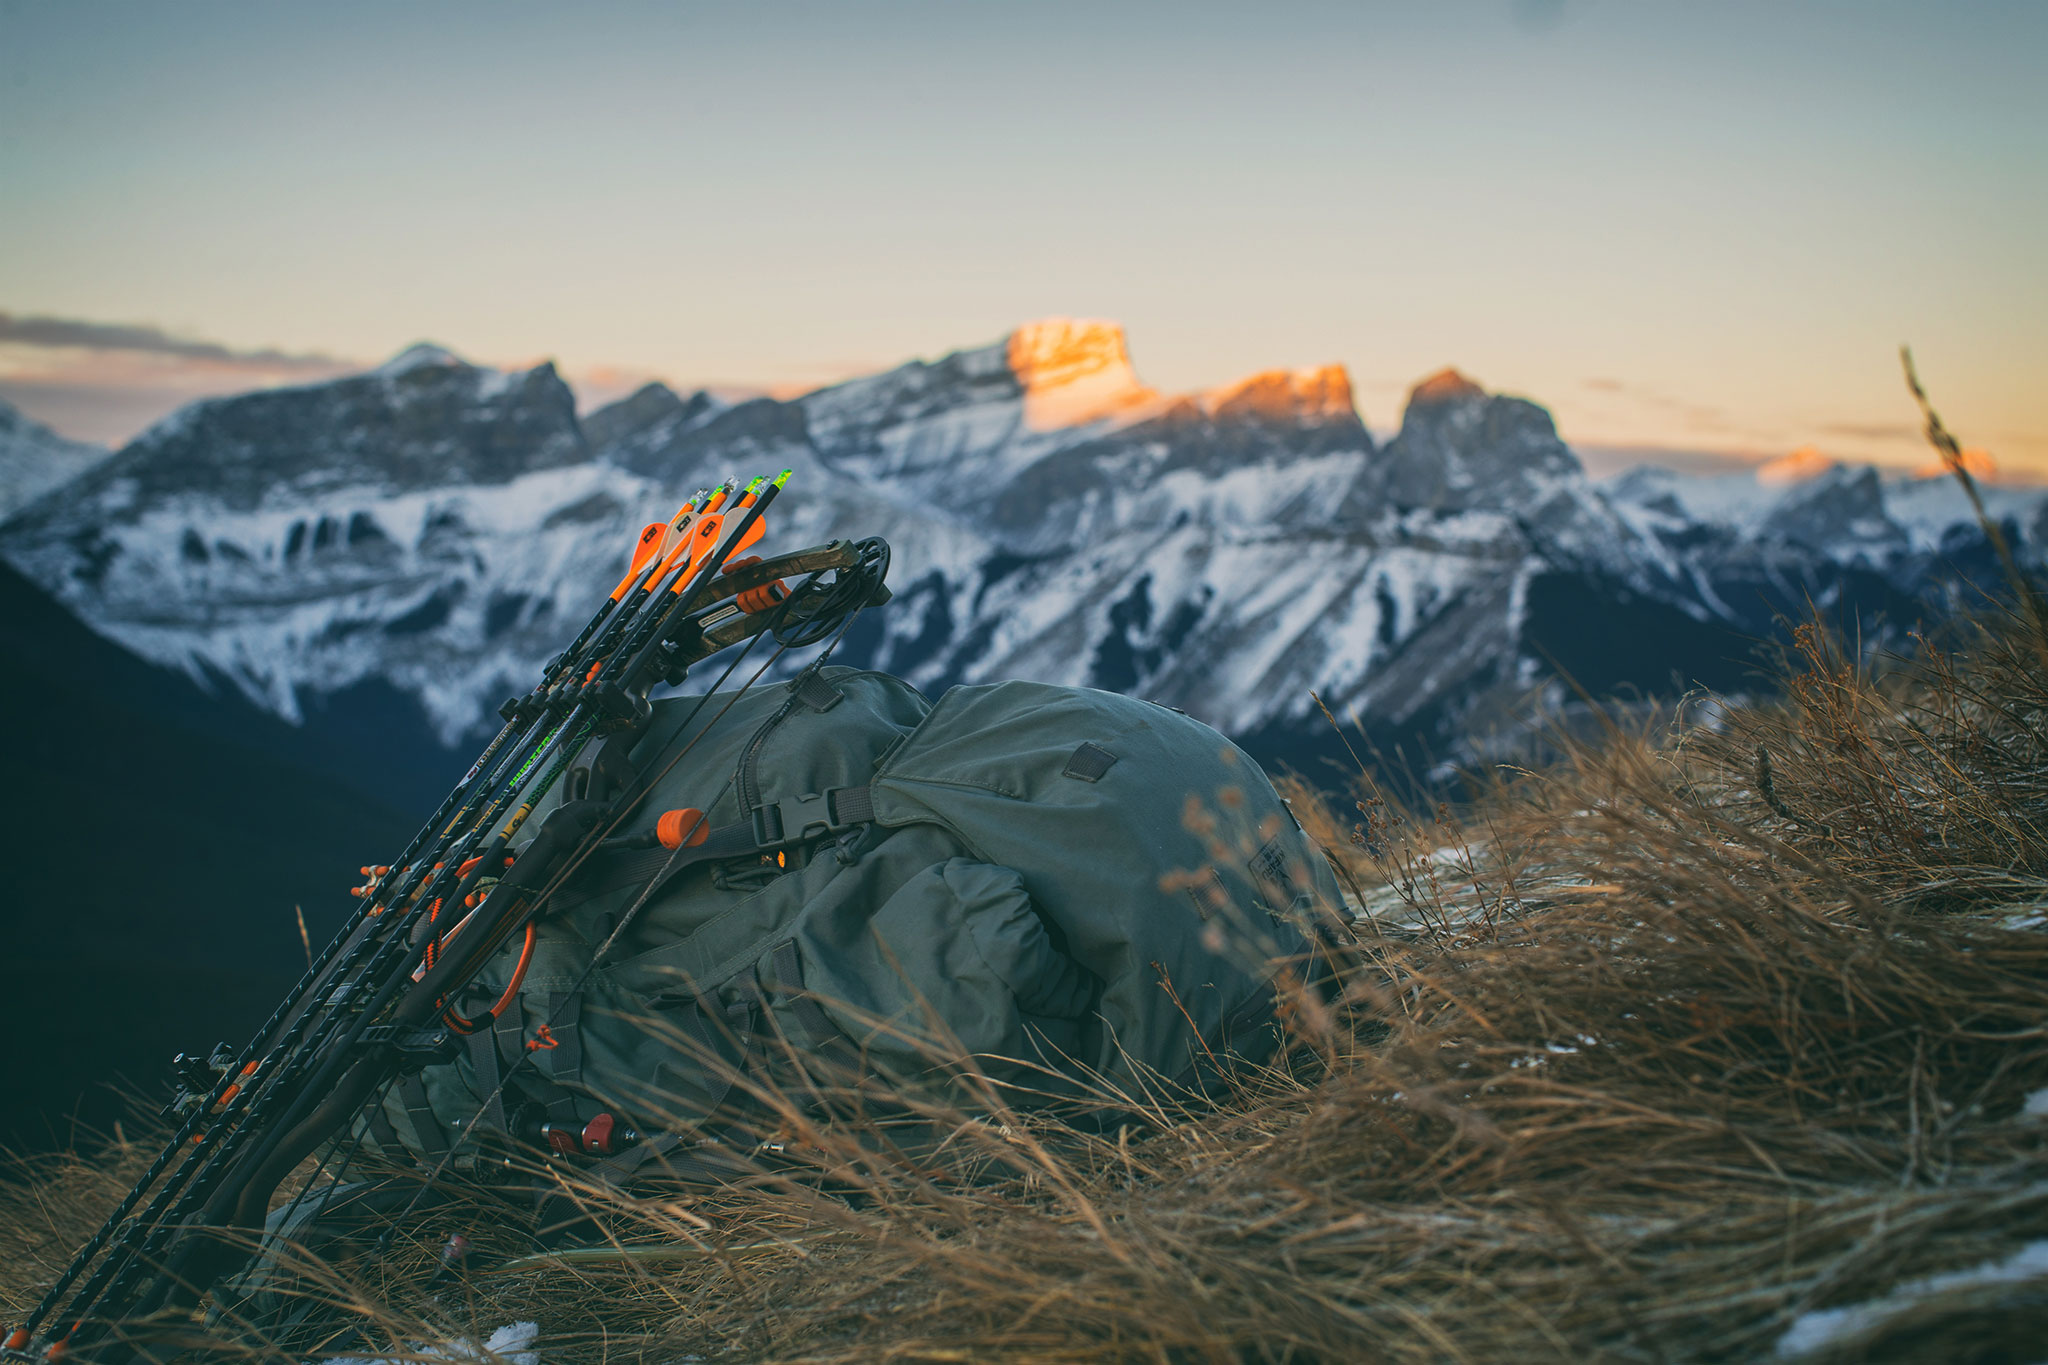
(35, 460)
(429, 529)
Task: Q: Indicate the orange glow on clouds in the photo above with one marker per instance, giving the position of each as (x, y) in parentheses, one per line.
(1805, 463)
(1977, 463)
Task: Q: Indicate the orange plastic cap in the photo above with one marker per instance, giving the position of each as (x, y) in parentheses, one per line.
(677, 827)
(757, 600)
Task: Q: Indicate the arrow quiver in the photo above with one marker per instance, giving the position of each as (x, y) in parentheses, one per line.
(378, 1002)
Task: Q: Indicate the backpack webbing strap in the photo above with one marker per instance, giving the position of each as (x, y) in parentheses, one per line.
(780, 824)
(384, 1132)
(412, 1092)
(854, 805)
(564, 1060)
(487, 1047)
(1090, 763)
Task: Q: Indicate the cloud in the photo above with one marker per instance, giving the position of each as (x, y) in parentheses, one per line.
(101, 381)
(106, 414)
(1696, 416)
(1604, 458)
(1874, 431)
(76, 334)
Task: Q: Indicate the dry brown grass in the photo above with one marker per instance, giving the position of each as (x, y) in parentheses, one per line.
(1637, 1058)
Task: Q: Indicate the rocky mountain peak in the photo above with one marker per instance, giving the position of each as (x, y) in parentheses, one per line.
(641, 425)
(1286, 397)
(425, 420)
(420, 355)
(1840, 511)
(1073, 371)
(1461, 448)
(1445, 386)
(1055, 351)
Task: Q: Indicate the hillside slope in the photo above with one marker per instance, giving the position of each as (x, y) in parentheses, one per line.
(158, 839)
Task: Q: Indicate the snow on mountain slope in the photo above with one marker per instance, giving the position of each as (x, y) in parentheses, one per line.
(1930, 509)
(440, 529)
(35, 459)
(1847, 513)
(430, 523)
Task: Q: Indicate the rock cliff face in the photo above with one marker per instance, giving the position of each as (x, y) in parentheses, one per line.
(392, 552)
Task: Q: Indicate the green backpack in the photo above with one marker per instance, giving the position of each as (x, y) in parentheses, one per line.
(1069, 892)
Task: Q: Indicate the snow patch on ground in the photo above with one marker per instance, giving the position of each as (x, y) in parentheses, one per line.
(511, 1344)
(1815, 1331)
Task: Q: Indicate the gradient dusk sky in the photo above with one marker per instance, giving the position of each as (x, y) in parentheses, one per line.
(1682, 227)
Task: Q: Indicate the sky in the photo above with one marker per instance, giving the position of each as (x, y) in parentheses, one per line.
(1691, 231)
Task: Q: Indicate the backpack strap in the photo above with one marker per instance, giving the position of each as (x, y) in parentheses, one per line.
(426, 1125)
(793, 820)
(384, 1133)
(562, 1058)
(486, 1049)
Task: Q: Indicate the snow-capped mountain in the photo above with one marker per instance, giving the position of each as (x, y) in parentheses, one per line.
(35, 459)
(1844, 512)
(427, 533)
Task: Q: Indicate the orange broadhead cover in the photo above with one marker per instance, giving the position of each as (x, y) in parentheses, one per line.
(678, 827)
(644, 549)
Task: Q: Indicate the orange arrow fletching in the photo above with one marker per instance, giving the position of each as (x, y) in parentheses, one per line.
(702, 532)
(677, 525)
(704, 539)
(644, 550)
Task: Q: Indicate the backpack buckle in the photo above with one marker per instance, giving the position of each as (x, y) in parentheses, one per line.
(796, 818)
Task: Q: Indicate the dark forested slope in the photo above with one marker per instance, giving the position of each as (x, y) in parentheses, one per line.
(157, 839)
